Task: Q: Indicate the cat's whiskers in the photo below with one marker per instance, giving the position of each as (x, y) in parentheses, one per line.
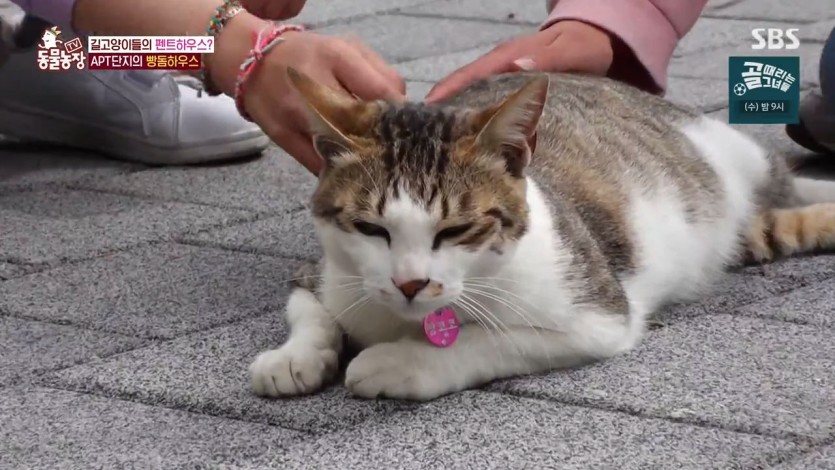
(463, 303)
(350, 286)
(361, 301)
(317, 276)
(513, 308)
(500, 291)
(501, 328)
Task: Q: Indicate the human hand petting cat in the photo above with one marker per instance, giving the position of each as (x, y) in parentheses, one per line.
(565, 46)
(342, 63)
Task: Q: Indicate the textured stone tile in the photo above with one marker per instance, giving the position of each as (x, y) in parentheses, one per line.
(432, 69)
(30, 347)
(806, 12)
(22, 167)
(714, 63)
(160, 291)
(400, 38)
(713, 5)
(806, 269)
(8, 270)
(763, 377)
(327, 12)
(700, 93)
(739, 288)
(771, 136)
(485, 430)
(273, 183)
(533, 12)
(53, 225)
(813, 305)
(712, 33)
(287, 235)
(819, 31)
(207, 373)
(817, 459)
(417, 91)
(45, 428)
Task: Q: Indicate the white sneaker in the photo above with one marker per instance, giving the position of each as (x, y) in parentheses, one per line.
(145, 116)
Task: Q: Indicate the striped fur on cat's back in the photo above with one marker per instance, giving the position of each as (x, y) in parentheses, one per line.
(555, 214)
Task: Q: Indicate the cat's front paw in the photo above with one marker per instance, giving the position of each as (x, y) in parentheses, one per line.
(292, 369)
(406, 370)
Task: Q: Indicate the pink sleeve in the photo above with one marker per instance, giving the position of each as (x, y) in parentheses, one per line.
(651, 29)
(57, 12)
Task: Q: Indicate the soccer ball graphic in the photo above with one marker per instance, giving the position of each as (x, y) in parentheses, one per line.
(740, 89)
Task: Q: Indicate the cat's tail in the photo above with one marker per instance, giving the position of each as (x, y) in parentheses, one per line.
(784, 232)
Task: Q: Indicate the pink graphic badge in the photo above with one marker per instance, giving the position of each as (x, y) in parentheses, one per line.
(441, 327)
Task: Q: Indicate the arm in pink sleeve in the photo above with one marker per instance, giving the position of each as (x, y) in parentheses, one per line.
(651, 29)
(57, 12)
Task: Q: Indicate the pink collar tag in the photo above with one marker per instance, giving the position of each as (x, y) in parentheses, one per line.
(441, 327)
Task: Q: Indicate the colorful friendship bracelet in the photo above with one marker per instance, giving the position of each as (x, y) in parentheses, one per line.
(265, 40)
(225, 12)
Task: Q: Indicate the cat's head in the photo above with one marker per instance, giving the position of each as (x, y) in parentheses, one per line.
(417, 199)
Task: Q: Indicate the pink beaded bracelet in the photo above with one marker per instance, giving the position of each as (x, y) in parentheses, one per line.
(265, 40)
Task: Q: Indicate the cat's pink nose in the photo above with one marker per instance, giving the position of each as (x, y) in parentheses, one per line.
(411, 288)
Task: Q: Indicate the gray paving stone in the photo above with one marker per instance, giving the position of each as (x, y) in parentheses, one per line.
(711, 33)
(325, 12)
(713, 5)
(806, 12)
(433, 69)
(207, 373)
(417, 90)
(28, 347)
(401, 38)
(806, 269)
(159, 291)
(8, 270)
(714, 63)
(45, 428)
(817, 459)
(486, 430)
(24, 167)
(287, 235)
(48, 226)
(273, 183)
(764, 377)
(533, 12)
(739, 288)
(813, 305)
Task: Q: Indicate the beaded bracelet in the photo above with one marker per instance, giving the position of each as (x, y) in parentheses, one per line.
(225, 12)
(265, 40)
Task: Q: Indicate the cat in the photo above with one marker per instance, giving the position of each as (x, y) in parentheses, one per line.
(555, 213)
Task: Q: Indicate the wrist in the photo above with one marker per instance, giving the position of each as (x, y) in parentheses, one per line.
(232, 47)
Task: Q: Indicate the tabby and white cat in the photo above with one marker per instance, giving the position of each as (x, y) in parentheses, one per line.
(553, 213)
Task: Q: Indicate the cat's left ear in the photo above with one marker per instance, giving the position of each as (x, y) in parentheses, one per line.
(511, 128)
(334, 119)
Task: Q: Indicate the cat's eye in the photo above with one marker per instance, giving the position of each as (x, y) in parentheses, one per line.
(450, 233)
(372, 230)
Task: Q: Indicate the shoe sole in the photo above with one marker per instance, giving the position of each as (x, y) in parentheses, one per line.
(800, 135)
(43, 128)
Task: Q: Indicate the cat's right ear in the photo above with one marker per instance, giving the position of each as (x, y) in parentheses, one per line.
(333, 117)
(510, 128)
